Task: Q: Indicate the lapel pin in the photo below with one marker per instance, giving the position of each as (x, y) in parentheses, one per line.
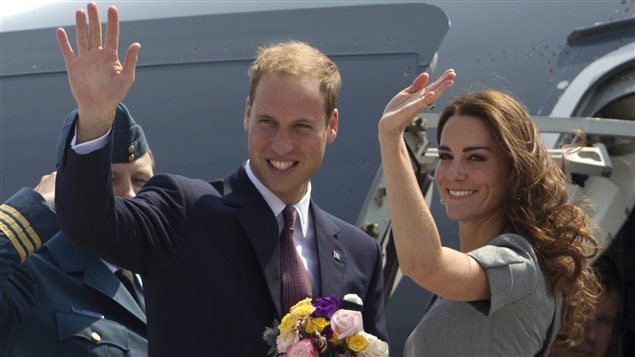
(337, 256)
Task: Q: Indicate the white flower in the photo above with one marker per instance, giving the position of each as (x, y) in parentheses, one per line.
(376, 347)
(284, 340)
(354, 298)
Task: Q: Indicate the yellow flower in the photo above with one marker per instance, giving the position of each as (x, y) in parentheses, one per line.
(334, 340)
(302, 309)
(315, 325)
(357, 343)
(289, 323)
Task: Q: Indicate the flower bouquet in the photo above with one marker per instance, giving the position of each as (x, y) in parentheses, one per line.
(324, 327)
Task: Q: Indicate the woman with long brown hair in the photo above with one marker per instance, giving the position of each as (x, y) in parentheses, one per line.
(521, 271)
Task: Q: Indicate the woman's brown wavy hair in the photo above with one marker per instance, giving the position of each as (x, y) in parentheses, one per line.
(536, 206)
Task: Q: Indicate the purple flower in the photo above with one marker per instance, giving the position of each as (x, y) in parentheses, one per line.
(325, 306)
(328, 332)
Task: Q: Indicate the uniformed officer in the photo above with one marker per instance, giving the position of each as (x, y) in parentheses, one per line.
(57, 299)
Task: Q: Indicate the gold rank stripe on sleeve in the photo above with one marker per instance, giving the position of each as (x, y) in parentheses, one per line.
(19, 231)
(11, 235)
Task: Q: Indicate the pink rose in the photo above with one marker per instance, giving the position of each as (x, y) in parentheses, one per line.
(346, 323)
(303, 348)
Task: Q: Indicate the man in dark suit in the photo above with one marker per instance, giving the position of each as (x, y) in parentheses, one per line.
(209, 252)
(57, 299)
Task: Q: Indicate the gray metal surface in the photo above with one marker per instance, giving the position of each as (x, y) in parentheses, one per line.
(191, 86)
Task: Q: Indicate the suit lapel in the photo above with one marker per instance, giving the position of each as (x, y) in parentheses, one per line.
(262, 232)
(99, 277)
(72, 259)
(331, 256)
(260, 225)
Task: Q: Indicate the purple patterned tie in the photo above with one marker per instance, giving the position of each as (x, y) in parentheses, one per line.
(295, 279)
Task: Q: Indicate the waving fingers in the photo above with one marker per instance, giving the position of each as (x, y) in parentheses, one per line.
(81, 32)
(446, 77)
(427, 95)
(130, 61)
(436, 89)
(418, 83)
(112, 30)
(95, 26)
(412, 100)
(64, 45)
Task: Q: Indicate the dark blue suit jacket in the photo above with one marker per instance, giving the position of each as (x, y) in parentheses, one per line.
(208, 253)
(59, 301)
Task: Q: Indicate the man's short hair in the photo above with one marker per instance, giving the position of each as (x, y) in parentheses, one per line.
(297, 59)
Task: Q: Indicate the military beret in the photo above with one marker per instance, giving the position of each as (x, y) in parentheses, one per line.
(129, 141)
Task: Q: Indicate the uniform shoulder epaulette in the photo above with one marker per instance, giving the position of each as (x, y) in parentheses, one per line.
(19, 231)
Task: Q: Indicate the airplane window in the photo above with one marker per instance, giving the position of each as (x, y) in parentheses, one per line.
(621, 108)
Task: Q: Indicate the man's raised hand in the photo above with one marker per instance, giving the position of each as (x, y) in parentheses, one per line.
(98, 80)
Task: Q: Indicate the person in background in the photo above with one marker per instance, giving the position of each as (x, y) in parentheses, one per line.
(601, 331)
(216, 268)
(521, 270)
(57, 299)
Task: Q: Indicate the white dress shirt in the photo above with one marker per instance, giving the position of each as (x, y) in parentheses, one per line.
(304, 238)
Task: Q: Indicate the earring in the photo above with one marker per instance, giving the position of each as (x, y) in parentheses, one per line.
(442, 201)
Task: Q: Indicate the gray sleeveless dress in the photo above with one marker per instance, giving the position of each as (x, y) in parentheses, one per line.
(521, 319)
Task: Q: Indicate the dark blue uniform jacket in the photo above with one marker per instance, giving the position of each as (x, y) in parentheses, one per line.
(56, 299)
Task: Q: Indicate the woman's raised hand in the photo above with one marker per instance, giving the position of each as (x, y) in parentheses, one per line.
(409, 102)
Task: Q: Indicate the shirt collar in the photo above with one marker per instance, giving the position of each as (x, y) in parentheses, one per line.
(277, 205)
